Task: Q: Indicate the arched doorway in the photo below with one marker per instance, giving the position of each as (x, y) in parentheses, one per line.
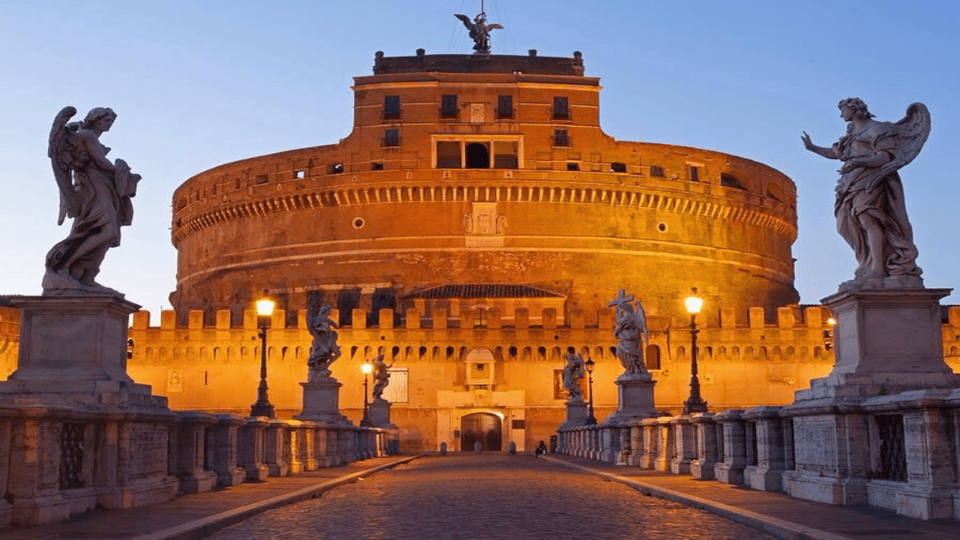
(478, 156)
(482, 427)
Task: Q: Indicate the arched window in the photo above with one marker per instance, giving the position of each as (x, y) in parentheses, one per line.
(478, 156)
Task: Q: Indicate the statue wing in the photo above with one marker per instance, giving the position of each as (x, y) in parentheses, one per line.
(494, 26)
(60, 152)
(466, 21)
(642, 326)
(911, 134)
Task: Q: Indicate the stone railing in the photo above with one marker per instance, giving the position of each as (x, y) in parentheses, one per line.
(899, 452)
(65, 461)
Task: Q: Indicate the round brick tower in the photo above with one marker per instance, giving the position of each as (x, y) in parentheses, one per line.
(484, 170)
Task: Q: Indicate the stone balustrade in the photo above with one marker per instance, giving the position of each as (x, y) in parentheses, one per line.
(899, 452)
(63, 461)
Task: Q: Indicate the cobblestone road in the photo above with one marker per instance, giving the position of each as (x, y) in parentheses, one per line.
(485, 496)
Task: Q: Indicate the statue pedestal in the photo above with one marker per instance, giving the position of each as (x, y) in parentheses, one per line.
(886, 341)
(321, 402)
(576, 414)
(380, 413)
(71, 387)
(73, 350)
(635, 398)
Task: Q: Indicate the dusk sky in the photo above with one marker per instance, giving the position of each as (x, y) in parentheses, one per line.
(199, 83)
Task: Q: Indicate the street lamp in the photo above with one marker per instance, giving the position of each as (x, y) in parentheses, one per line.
(694, 403)
(366, 368)
(591, 419)
(263, 407)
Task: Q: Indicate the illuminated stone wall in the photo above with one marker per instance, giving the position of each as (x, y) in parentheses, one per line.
(582, 217)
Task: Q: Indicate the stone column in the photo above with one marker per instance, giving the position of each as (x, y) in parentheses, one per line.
(667, 444)
(702, 468)
(190, 452)
(251, 444)
(636, 444)
(766, 475)
(275, 454)
(222, 450)
(651, 443)
(730, 470)
(685, 437)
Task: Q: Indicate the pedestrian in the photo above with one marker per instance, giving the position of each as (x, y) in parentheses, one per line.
(541, 449)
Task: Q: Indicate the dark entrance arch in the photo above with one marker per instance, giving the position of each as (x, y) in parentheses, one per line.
(478, 156)
(482, 427)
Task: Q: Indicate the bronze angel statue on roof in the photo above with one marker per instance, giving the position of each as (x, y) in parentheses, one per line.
(870, 209)
(479, 31)
(95, 192)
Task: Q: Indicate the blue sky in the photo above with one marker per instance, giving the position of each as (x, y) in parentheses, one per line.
(197, 84)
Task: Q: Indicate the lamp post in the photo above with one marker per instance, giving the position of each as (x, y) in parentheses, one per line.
(694, 403)
(591, 419)
(366, 368)
(263, 407)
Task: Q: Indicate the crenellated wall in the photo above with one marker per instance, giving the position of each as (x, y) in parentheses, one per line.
(214, 365)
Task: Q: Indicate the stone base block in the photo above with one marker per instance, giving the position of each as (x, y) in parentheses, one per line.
(279, 469)
(232, 478)
(911, 501)
(39, 510)
(727, 474)
(198, 483)
(257, 473)
(80, 500)
(702, 470)
(846, 491)
(680, 466)
(6, 513)
(763, 479)
(139, 493)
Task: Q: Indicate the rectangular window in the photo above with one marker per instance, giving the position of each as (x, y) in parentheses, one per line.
(560, 138)
(505, 155)
(694, 174)
(391, 137)
(448, 155)
(448, 106)
(573, 166)
(656, 171)
(505, 107)
(561, 110)
(391, 107)
(618, 167)
(299, 174)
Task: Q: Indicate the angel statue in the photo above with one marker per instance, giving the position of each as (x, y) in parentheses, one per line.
(95, 193)
(479, 31)
(630, 330)
(870, 208)
(572, 373)
(381, 377)
(324, 350)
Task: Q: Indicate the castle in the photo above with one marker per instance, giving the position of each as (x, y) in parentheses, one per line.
(473, 227)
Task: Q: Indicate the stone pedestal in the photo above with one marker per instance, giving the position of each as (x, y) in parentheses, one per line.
(576, 414)
(886, 341)
(74, 403)
(635, 399)
(380, 413)
(76, 346)
(321, 402)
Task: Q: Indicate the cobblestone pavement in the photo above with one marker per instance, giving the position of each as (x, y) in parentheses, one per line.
(487, 496)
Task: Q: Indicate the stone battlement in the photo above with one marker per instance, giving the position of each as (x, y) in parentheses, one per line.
(413, 319)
